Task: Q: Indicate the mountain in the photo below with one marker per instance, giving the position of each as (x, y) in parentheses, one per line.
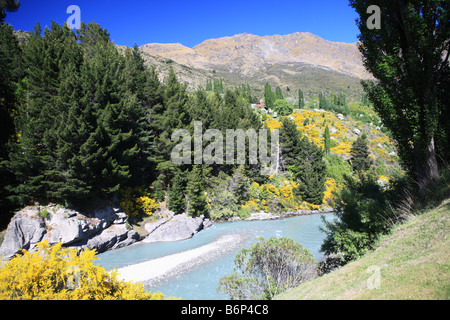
(299, 60)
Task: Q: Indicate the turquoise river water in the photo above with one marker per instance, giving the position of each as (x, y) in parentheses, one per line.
(201, 282)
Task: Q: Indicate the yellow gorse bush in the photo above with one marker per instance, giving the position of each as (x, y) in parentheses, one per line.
(134, 201)
(330, 188)
(148, 205)
(273, 124)
(274, 196)
(56, 273)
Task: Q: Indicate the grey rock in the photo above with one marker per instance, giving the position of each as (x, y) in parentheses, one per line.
(24, 231)
(357, 131)
(116, 236)
(71, 228)
(121, 218)
(207, 223)
(152, 226)
(65, 230)
(180, 227)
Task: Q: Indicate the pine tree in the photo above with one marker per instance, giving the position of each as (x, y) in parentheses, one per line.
(8, 5)
(36, 114)
(145, 86)
(305, 160)
(289, 142)
(10, 71)
(177, 202)
(360, 155)
(310, 171)
(239, 185)
(77, 119)
(175, 116)
(197, 204)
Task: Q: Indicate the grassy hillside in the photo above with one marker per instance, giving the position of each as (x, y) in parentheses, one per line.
(413, 263)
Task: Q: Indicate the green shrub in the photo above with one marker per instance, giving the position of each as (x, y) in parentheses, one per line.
(283, 107)
(268, 268)
(43, 213)
(364, 212)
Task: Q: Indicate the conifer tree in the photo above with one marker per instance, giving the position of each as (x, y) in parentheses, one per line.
(310, 171)
(305, 160)
(8, 5)
(175, 115)
(289, 142)
(197, 204)
(29, 157)
(77, 117)
(144, 85)
(177, 202)
(360, 154)
(10, 73)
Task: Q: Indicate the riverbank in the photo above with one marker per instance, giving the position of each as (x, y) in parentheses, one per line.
(261, 216)
(412, 262)
(156, 270)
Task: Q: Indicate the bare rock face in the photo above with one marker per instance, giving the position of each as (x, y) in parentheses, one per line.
(103, 230)
(246, 53)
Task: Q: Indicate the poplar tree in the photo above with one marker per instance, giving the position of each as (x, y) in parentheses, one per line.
(301, 99)
(327, 140)
(269, 96)
(278, 94)
(409, 57)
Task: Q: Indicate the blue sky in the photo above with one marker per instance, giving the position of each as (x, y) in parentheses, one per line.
(193, 21)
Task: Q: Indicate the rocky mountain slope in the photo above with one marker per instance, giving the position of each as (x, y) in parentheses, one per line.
(295, 60)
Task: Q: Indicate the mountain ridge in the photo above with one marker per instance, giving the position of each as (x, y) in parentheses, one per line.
(299, 60)
(247, 54)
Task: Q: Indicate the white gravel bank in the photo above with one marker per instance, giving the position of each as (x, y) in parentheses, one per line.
(163, 267)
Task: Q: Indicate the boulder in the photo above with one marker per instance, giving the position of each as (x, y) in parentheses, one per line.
(180, 227)
(116, 236)
(356, 131)
(24, 231)
(70, 227)
(152, 226)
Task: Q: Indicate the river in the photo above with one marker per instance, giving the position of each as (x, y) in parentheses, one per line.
(200, 282)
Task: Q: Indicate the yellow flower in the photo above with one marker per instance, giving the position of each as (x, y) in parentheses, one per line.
(56, 273)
